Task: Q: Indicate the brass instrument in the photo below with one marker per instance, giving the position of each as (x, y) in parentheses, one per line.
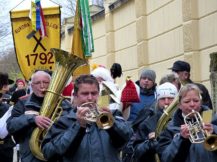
(196, 131)
(164, 119)
(166, 116)
(104, 120)
(66, 63)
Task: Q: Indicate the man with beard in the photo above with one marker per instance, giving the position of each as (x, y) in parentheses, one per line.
(147, 93)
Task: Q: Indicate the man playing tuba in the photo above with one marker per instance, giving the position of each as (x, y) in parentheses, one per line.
(25, 115)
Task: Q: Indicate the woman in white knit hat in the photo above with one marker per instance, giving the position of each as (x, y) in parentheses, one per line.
(145, 142)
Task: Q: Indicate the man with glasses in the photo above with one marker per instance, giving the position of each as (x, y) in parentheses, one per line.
(25, 115)
(183, 69)
(6, 143)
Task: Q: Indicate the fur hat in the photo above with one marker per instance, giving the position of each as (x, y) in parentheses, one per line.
(103, 73)
(166, 90)
(149, 74)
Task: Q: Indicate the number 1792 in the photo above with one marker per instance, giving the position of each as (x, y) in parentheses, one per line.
(42, 57)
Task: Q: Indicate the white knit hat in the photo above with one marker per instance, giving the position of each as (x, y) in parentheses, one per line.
(166, 90)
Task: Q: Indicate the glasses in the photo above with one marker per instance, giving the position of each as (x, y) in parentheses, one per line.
(40, 83)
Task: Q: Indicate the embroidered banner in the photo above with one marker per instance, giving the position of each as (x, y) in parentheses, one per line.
(33, 51)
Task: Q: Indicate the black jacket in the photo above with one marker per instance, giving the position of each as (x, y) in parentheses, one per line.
(6, 144)
(174, 148)
(67, 141)
(128, 152)
(145, 148)
(21, 125)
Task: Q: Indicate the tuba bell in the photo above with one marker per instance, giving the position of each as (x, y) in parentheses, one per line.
(197, 133)
(65, 65)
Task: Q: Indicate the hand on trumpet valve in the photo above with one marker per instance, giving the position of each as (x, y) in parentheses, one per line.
(104, 109)
(184, 131)
(81, 115)
(208, 127)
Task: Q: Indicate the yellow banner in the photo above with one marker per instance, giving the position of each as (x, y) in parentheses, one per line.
(32, 51)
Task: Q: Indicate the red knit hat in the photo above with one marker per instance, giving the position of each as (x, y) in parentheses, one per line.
(129, 93)
(20, 80)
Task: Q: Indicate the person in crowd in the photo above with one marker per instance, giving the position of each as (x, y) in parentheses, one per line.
(67, 91)
(116, 70)
(73, 138)
(174, 142)
(16, 95)
(25, 115)
(6, 143)
(172, 78)
(147, 94)
(14, 99)
(106, 82)
(183, 69)
(21, 84)
(145, 140)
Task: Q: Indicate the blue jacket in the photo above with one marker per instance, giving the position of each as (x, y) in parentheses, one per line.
(147, 98)
(67, 141)
(174, 148)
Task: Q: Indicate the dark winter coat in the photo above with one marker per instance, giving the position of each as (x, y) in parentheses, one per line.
(174, 148)
(145, 148)
(67, 141)
(128, 152)
(147, 98)
(21, 125)
(6, 144)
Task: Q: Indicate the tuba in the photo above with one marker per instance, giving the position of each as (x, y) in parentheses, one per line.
(66, 63)
(166, 116)
(196, 131)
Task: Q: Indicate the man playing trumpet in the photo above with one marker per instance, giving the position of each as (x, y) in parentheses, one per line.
(74, 138)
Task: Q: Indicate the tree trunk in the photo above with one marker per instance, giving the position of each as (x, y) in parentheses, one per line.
(213, 79)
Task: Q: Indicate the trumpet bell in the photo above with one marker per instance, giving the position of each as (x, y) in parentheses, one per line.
(105, 120)
(210, 143)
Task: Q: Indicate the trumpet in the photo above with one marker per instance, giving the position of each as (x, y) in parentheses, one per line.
(197, 133)
(104, 120)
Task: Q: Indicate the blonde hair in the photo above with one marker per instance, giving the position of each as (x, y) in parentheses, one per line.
(189, 87)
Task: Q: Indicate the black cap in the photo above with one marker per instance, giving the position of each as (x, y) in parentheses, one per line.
(181, 66)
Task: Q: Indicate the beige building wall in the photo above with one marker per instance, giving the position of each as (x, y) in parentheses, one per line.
(153, 34)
